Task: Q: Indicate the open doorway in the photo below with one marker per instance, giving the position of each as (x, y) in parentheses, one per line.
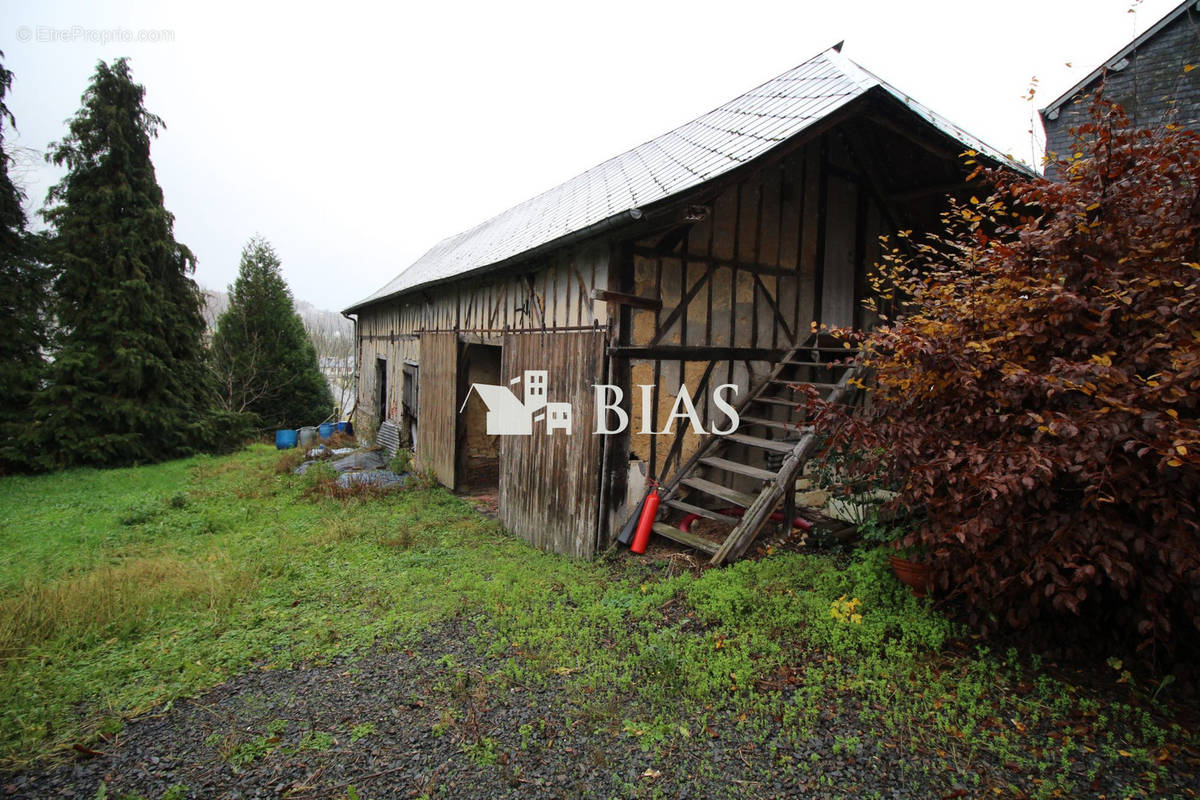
(381, 389)
(408, 403)
(478, 453)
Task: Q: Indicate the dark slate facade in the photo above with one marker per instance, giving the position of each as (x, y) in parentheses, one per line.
(1149, 77)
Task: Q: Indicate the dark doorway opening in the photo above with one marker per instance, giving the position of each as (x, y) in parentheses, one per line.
(478, 453)
(381, 389)
(408, 403)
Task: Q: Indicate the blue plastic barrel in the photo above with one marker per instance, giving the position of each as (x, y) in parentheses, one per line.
(285, 439)
(341, 427)
(325, 429)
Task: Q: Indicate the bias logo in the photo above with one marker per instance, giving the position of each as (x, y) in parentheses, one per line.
(509, 415)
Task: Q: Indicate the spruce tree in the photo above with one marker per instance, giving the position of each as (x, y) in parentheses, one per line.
(22, 297)
(128, 382)
(264, 361)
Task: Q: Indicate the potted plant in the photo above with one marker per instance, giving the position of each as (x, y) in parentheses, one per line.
(917, 576)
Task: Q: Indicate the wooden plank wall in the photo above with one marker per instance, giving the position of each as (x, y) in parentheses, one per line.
(438, 398)
(550, 483)
(548, 294)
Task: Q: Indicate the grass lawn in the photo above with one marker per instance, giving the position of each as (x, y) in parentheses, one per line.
(122, 590)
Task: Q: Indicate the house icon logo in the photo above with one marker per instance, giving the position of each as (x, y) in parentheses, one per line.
(509, 416)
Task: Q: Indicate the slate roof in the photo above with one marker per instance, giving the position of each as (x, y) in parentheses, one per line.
(1114, 61)
(698, 151)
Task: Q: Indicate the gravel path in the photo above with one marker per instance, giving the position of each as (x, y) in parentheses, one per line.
(420, 719)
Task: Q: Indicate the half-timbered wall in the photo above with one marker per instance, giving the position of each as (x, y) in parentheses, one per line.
(773, 256)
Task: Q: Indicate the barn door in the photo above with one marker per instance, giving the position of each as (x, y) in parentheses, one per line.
(438, 409)
(549, 480)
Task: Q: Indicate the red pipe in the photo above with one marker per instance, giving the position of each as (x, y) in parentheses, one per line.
(685, 524)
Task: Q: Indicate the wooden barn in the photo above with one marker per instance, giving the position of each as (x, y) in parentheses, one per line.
(704, 257)
(1152, 77)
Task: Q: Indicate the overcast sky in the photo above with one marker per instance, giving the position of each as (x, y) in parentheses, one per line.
(355, 136)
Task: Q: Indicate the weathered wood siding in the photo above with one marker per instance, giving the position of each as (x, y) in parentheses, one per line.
(439, 394)
(546, 294)
(550, 482)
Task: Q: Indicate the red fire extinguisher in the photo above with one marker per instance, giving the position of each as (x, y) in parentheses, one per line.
(646, 521)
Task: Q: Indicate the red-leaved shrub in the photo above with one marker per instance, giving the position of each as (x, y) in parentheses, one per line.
(1037, 394)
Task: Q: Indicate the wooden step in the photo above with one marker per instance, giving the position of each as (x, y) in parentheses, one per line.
(814, 384)
(738, 469)
(779, 424)
(820, 364)
(765, 444)
(720, 492)
(683, 537)
(790, 402)
(704, 512)
(849, 351)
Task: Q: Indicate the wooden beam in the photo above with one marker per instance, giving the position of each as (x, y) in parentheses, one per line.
(667, 244)
(783, 323)
(731, 263)
(939, 149)
(672, 352)
(631, 300)
(685, 538)
(918, 192)
(666, 324)
(701, 390)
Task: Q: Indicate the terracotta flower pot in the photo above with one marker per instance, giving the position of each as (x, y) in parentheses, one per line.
(917, 577)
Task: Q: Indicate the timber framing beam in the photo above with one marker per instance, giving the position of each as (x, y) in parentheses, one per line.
(665, 325)
(701, 258)
(631, 300)
(918, 192)
(670, 352)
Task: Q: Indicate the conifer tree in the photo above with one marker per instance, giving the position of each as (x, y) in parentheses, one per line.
(264, 361)
(22, 294)
(128, 381)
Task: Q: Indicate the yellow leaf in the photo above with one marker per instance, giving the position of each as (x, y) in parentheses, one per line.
(1174, 462)
(1172, 413)
(1188, 67)
(1181, 450)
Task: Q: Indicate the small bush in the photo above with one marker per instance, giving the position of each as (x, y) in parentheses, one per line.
(141, 512)
(339, 440)
(288, 461)
(319, 479)
(401, 462)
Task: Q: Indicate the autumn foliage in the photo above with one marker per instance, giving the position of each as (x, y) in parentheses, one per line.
(1038, 391)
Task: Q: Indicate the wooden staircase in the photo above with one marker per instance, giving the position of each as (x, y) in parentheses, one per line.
(775, 444)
